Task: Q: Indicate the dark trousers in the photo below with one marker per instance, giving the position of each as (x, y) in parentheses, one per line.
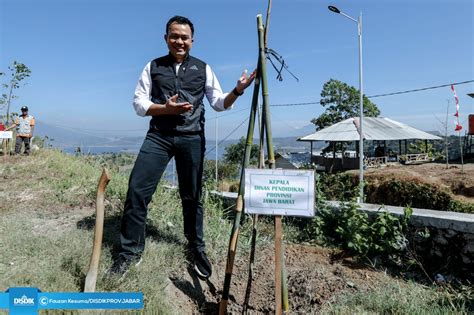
(154, 155)
(19, 141)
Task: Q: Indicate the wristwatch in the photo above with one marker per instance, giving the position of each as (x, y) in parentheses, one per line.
(236, 93)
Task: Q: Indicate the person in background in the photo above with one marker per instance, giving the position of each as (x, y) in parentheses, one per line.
(25, 125)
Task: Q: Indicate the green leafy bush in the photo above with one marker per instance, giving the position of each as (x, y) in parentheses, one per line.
(356, 232)
(339, 186)
(353, 230)
(224, 170)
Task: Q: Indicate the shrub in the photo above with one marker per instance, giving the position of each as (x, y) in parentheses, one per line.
(353, 230)
(224, 170)
(339, 186)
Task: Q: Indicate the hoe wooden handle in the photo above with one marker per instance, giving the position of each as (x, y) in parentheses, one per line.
(91, 277)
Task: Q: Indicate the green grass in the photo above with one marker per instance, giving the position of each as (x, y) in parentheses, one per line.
(397, 298)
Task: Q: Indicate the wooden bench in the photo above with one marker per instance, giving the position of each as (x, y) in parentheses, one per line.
(414, 158)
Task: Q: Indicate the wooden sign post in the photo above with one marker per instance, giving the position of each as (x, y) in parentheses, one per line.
(5, 136)
(279, 192)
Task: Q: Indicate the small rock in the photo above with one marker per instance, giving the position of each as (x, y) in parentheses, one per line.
(469, 237)
(466, 260)
(440, 240)
(468, 249)
(449, 233)
(350, 284)
(439, 278)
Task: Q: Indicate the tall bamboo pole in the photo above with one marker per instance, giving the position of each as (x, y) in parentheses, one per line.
(239, 205)
(267, 23)
(261, 165)
(280, 282)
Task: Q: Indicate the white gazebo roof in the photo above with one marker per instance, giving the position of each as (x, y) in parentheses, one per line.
(373, 128)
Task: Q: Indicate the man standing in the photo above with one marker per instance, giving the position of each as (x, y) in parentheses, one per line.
(171, 90)
(25, 126)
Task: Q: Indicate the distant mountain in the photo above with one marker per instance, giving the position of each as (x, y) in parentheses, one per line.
(299, 132)
(436, 133)
(63, 137)
(69, 139)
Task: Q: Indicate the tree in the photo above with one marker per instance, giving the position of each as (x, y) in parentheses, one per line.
(234, 153)
(341, 102)
(18, 73)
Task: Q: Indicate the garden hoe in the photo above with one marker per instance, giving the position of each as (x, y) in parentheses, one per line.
(91, 277)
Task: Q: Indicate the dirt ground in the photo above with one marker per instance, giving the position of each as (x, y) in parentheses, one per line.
(455, 179)
(314, 279)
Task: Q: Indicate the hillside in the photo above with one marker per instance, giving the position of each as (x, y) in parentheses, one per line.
(46, 224)
(428, 186)
(458, 182)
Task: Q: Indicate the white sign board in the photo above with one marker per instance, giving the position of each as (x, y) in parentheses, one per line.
(6, 134)
(279, 192)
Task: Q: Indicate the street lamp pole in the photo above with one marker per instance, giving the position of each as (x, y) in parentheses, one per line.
(361, 100)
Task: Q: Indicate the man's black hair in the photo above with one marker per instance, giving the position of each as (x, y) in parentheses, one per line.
(180, 20)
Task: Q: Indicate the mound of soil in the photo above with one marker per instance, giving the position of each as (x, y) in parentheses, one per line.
(313, 279)
(453, 179)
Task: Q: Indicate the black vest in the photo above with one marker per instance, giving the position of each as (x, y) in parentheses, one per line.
(189, 84)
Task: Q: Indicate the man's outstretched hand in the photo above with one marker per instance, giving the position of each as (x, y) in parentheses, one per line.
(174, 108)
(244, 80)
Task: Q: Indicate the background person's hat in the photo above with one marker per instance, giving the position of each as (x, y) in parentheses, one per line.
(24, 108)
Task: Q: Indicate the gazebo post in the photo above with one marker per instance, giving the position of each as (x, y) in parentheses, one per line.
(399, 147)
(333, 155)
(311, 153)
(406, 150)
(342, 156)
(426, 145)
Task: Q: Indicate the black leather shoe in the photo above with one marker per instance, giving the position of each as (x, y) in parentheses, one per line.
(202, 266)
(121, 266)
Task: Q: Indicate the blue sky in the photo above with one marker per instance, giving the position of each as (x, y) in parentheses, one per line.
(86, 56)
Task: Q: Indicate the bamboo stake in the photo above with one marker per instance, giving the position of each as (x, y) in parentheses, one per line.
(261, 164)
(91, 277)
(267, 23)
(4, 147)
(239, 205)
(278, 268)
(280, 283)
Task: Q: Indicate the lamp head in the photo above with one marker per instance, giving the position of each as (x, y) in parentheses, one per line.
(334, 9)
